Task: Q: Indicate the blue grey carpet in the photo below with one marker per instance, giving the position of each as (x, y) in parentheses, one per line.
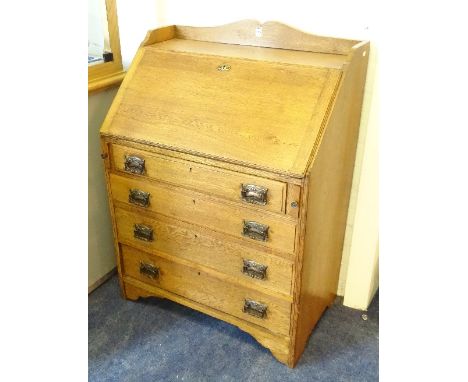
(158, 340)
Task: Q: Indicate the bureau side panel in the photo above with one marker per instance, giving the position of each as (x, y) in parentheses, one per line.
(329, 185)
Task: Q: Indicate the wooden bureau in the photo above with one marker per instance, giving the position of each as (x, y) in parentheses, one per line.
(229, 155)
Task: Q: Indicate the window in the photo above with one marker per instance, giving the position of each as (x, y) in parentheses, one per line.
(104, 58)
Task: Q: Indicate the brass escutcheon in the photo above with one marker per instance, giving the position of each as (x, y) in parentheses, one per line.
(224, 67)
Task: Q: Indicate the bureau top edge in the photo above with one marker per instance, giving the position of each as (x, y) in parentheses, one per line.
(270, 34)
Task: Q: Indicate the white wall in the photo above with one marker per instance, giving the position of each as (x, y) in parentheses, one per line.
(359, 268)
(351, 19)
(101, 257)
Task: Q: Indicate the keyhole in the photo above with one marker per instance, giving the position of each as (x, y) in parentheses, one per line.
(193, 201)
(196, 236)
(190, 169)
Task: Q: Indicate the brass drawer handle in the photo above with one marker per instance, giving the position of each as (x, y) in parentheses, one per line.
(139, 198)
(254, 270)
(255, 308)
(251, 193)
(143, 232)
(149, 270)
(134, 164)
(255, 230)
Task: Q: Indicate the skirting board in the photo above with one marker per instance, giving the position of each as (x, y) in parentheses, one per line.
(102, 280)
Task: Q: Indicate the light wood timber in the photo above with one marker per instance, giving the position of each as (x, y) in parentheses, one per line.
(198, 209)
(201, 178)
(272, 35)
(219, 236)
(196, 246)
(159, 35)
(329, 180)
(174, 154)
(320, 60)
(106, 158)
(172, 95)
(105, 82)
(242, 101)
(293, 201)
(199, 286)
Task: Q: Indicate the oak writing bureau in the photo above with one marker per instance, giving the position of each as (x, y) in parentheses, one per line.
(229, 155)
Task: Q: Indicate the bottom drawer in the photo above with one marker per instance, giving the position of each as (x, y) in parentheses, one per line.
(250, 305)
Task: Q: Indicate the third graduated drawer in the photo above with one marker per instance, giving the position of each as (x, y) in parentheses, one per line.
(267, 229)
(242, 264)
(266, 194)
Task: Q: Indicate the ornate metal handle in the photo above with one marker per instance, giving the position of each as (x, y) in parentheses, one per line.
(143, 232)
(255, 308)
(253, 269)
(251, 193)
(149, 270)
(134, 164)
(255, 230)
(138, 197)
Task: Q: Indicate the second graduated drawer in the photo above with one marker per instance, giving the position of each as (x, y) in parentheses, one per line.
(253, 226)
(247, 189)
(244, 264)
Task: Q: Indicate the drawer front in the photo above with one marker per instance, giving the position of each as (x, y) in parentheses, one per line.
(263, 193)
(247, 304)
(245, 264)
(272, 232)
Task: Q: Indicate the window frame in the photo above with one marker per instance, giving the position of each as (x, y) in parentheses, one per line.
(107, 74)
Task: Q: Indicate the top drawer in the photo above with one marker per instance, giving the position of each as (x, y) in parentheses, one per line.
(264, 193)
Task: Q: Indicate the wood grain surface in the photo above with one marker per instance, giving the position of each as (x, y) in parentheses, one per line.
(190, 243)
(198, 209)
(181, 101)
(286, 115)
(271, 35)
(201, 178)
(329, 181)
(319, 60)
(199, 286)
